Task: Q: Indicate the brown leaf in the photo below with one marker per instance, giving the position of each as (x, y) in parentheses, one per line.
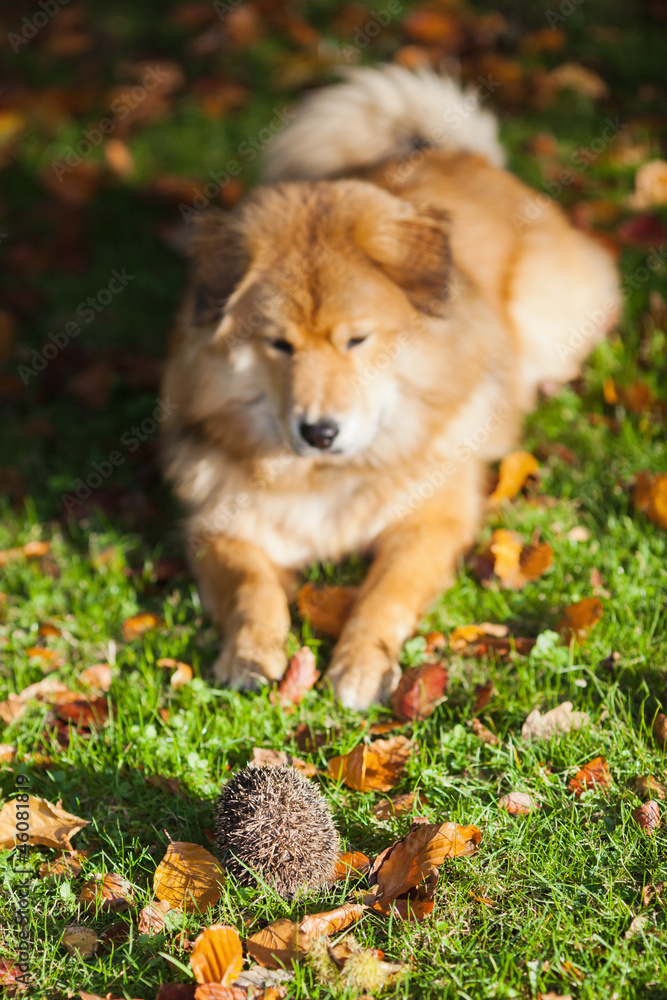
(151, 918)
(515, 469)
(188, 877)
(31, 550)
(276, 758)
(50, 825)
(331, 921)
(307, 740)
(650, 496)
(327, 608)
(177, 991)
(217, 956)
(651, 893)
(7, 753)
(119, 157)
(134, 627)
(418, 691)
(394, 807)
(65, 866)
(42, 691)
(595, 773)
(351, 863)
(574, 76)
(478, 640)
(484, 734)
(80, 941)
(483, 695)
(97, 677)
(377, 767)
(649, 788)
(9, 975)
(518, 803)
(278, 944)
(111, 891)
(536, 560)
(411, 860)
(299, 678)
(647, 816)
(559, 720)
(660, 731)
(83, 713)
(417, 904)
(214, 991)
(182, 671)
(578, 619)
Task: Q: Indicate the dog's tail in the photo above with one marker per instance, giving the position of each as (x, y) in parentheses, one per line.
(377, 114)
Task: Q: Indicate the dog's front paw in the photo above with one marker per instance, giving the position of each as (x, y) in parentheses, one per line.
(361, 673)
(250, 658)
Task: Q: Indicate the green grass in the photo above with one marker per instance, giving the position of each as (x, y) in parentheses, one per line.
(566, 881)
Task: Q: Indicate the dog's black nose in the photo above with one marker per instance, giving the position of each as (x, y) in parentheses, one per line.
(320, 434)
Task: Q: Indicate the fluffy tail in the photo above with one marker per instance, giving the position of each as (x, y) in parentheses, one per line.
(377, 114)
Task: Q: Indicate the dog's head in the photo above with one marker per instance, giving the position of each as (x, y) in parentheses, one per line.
(316, 292)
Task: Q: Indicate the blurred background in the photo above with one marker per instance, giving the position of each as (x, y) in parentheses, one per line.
(120, 121)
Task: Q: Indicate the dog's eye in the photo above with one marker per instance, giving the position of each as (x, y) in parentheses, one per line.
(355, 341)
(282, 345)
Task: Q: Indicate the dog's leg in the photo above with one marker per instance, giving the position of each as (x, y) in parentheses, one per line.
(415, 561)
(244, 593)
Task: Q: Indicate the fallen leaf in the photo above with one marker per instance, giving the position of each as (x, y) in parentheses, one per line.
(561, 719)
(515, 469)
(435, 643)
(660, 731)
(79, 940)
(327, 608)
(637, 926)
(259, 978)
(98, 677)
(177, 991)
(419, 690)
(483, 695)
(278, 944)
(119, 157)
(650, 185)
(647, 816)
(299, 678)
(137, 625)
(331, 921)
(276, 758)
(514, 563)
(650, 497)
(595, 773)
(110, 891)
(578, 619)
(478, 640)
(377, 767)
(217, 956)
(411, 860)
(31, 550)
(651, 893)
(43, 691)
(214, 991)
(50, 825)
(151, 918)
(182, 671)
(518, 803)
(83, 713)
(484, 900)
(351, 863)
(65, 866)
(649, 788)
(9, 976)
(189, 877)
(484, 734)
(7, 753)
(171, 785)
(394, 807)
(574, 76)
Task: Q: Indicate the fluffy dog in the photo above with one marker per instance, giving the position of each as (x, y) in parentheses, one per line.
(360, 340)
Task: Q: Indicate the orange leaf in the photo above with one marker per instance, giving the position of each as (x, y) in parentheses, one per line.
(351, 863)
(650, 496)
(65, 866)
(41, 691)
(418, 691)
(151, 918)
(536, 560)
(134, 628)
(648, 816)
(50, 825)
(112, 891)
(214, 991)
(98, 676)
(484, 734)
(395, 807)
(660, 731)
(331, 921)
(276, 945)
(327, 608)
(596, 772)
(188, 877)
(411, 860)
(274, 758)
(299, 678)
(377, 767)
(217, 956)
(578, 619)
(81, 712)
(515, 469)
(182, 671)
(518, 803)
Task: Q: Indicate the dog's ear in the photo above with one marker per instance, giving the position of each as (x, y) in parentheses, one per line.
(220, 259)
(413, 250)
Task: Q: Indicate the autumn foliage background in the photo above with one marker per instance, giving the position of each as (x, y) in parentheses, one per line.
(533, 707)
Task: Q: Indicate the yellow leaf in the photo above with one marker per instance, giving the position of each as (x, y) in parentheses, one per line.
(188, 877)
(217, 955)
(515, 469)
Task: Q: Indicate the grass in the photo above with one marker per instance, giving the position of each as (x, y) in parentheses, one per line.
(565, 882)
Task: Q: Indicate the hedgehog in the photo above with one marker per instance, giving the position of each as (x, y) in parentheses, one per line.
(275, 824)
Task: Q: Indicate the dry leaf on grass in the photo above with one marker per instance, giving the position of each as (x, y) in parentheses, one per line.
(578, 619)
(260, 978)
(217, 956)
(83, 713)
(80, 940)
(151, 918)
(514, 563)
(649, 788)
(561, 719)
(137, 625)
(518, 803)
(419, 690)
(50, 825)
(299, 678)
(650, 497)
(594, 774)
(327, 608)
(98, 677)
(182, 671)
(65, 866)
(332, 921)
(31, 550)
(478, 640)
(283, 940)
(411, 860)
(484, 734)
(660, 731)
(395, 807)
(43, 691)
(351, 863)
(276, 758)
(377, 767)
(110, 891)
(214, 991)
(647, 817)
(189, 877)
(574, 76)
(7, 753)
(515, 469)
(650, 185)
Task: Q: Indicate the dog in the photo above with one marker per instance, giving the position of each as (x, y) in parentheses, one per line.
(363, 335)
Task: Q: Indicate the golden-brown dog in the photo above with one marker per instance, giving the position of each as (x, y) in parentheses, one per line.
(354, 351)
